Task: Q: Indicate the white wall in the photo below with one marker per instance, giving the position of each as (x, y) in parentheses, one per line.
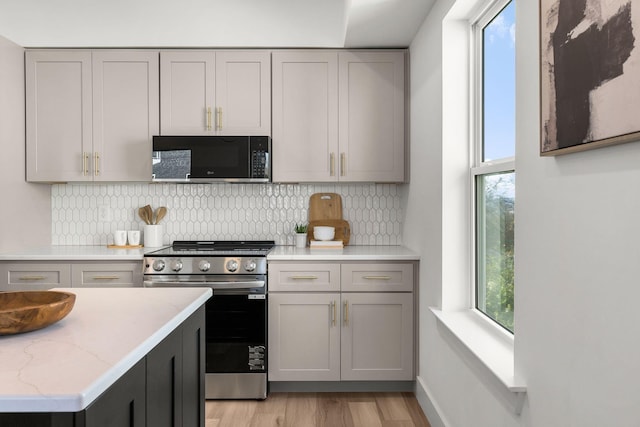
(577, 255)
(25, 212)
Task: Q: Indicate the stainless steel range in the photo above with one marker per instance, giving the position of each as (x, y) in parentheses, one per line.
(236, 315)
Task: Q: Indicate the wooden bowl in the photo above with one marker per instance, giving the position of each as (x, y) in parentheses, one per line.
(30, 310)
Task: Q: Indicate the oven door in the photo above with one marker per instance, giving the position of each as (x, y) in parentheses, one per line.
(236, 333)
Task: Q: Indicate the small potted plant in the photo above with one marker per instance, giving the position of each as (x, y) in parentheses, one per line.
(301, 235)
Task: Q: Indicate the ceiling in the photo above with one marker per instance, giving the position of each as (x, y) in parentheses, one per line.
(212, 23)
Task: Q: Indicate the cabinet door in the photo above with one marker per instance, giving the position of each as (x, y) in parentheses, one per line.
(164, 382)
(304, 277)
(58, 115)
(305, 116)
(377, 336)
(23, 276)
(304, 337)
(193, 369)
(243, 93)
(371, 116)
(106, 274)
(125, 114)
(123, 404)
(187, 92)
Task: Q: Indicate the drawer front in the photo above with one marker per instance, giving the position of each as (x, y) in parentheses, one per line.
(301, 277)
(34, 276)
(105, 275)
(377, 277)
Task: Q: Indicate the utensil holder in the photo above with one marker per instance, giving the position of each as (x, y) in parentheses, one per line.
(153, 235)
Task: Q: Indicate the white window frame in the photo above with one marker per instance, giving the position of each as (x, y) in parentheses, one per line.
(478, 166)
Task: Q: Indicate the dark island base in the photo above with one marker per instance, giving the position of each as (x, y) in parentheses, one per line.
(165, 388)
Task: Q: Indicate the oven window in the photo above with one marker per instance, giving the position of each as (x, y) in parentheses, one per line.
(236, 329)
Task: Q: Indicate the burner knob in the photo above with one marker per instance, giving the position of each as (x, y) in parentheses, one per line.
(176, 265)
(158, 265)
(204, 265)
(250, 265)
(232, 265)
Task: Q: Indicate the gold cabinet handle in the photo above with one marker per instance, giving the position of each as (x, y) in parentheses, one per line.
(96, 163)
(303, 277)
(85, 161)
(333, 318)
(208, 118)
(219, 119)
(32, 278)
(332, 164)
(105, 277)
(346, 313)
(343, 160)
(377, 277)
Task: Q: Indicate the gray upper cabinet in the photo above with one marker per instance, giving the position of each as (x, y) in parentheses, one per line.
(91, 115)
(58, 115)
(305, 116)
(371, 126)
(215, 92)
(338, 116)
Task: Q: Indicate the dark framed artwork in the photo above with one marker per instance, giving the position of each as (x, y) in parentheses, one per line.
(589, 74)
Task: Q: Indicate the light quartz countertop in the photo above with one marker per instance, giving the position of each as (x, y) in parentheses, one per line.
(76, 253)
(348, 253)
(66, 366)
(279, 253)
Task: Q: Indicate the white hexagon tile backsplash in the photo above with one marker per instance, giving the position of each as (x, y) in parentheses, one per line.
(89, 214)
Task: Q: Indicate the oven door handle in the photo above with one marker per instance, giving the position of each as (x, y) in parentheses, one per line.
(212, 285)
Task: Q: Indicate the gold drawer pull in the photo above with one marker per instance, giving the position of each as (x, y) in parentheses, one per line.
(32, 278)
(106, 277)
(303, 277)
(377, 277)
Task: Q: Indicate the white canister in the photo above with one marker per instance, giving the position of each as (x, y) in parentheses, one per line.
(153, 235)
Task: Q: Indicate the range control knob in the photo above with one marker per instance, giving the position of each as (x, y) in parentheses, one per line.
(158, 265)
(204, 265)
(250, 265)
(176, 265)
(232, 265)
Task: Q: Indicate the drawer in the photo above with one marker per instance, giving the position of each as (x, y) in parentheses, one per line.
(303, 277)
(104, 275)
(34, 276)
(369, 277)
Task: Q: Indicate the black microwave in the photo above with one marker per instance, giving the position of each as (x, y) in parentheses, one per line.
(192, 158)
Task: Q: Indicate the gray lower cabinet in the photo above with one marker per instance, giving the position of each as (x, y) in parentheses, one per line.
(350, 321)
(40, 275)
(165, 388)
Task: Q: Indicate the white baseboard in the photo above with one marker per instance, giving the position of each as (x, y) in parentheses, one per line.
(428, 405)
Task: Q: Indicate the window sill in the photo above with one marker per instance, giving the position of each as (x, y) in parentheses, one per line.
(489, 345)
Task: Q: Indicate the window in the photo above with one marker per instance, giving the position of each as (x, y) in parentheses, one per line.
(493, 165)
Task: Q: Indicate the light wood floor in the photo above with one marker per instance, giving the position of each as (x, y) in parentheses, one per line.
(319, 410)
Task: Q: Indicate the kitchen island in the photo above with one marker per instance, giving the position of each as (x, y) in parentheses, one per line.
(130, 353)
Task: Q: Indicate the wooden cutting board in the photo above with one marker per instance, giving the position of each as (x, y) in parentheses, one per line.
(343, 229)
(325, 206)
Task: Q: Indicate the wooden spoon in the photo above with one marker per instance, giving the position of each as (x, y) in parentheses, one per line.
(160, 213)
(149, 214)
(142, 212)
